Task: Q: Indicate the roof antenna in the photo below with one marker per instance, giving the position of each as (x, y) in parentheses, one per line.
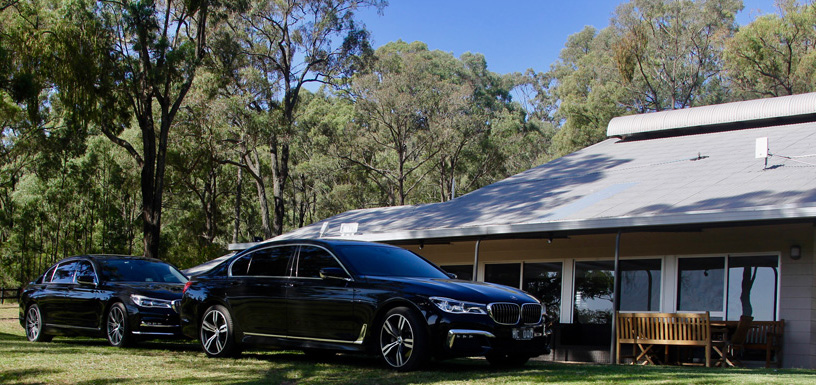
(762, 150)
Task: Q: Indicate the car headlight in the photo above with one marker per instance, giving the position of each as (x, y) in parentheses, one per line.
(143, 301)
(458, 307)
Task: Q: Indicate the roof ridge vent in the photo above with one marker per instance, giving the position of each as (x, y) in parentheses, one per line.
(735, 115)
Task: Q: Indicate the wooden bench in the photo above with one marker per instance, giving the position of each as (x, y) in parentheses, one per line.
(645, 330)
(767, 336)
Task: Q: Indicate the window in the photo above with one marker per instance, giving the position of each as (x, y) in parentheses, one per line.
(271, 262)
(312, 259)
(752, 287)
(464, 272)
(85, 269)
(543, 281)
(640, 284)
(387, 261)
(138, 270)
(594, 281)
(64, 273)
(508, 274)
(240, 266)
(593, 292)
(701, 284)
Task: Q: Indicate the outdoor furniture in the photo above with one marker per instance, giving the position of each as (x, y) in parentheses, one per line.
(730, 342)
(767, 336)
(646, 330)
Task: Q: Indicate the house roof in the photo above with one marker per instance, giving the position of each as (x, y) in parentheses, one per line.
(701, 178)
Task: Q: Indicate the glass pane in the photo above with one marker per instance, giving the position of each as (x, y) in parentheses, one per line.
(139, 270)
(387, 261)
(64, 273)
(593, 292)
(508, 274)
(640, 285)
(752, 283)
(464, 272)
(271, 262)
(543, 281)
(85, 269)
(240, 266)
(312, 259)
(700, 284)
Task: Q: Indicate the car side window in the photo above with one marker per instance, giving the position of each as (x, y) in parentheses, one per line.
(85, 269)
(46, 278)
(312, 259)
(64, 273)
(240, 266)
(271, 262)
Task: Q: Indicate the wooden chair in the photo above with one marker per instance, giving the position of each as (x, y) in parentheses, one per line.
(767, 336)
(727, 346)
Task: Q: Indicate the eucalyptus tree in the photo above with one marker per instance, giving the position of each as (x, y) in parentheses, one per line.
(669, 52)
(289, 44)
(774, 55)
(138, 59)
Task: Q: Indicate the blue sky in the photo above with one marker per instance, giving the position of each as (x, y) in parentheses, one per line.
(514, 35)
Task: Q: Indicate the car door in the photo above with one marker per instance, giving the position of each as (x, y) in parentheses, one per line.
(56, 302)
(85, 297)
(256, 291)
(317, 308)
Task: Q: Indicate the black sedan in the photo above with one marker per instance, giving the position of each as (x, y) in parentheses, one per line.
(122, 298)
(326, 296)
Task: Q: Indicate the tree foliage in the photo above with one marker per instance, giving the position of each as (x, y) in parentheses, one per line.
(776, 54)
(220, 122)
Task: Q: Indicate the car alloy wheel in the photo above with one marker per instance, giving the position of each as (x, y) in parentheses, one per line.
(34, 325)
(216, 333)
(117, 328)
(403, 340)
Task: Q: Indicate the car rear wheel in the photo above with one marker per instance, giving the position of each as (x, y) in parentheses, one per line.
(117, 329)
(217, 334)
(507, 359)
(34, 325)
(403, 340)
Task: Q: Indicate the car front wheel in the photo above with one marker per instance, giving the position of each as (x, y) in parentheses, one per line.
(403, 340)
(34, 325)
(216, 333)
(117, 329)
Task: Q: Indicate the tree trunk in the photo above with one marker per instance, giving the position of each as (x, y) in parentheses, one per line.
(237, 229)
(280, 172)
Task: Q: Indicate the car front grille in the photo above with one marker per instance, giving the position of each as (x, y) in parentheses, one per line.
(504, 313)
(531, 313)
(511, 313)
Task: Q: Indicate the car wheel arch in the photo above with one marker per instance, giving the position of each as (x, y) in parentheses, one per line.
(379, 316)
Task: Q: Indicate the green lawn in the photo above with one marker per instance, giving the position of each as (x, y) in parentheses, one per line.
(91, 361)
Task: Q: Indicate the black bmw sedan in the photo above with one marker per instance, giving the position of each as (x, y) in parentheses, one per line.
(120, 297)
(326, 296)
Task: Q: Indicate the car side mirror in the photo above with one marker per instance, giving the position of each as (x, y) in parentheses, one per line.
(452, 276)
(86, 280)
(334, 273)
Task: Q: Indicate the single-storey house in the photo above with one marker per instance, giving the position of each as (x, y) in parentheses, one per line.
(707, 209)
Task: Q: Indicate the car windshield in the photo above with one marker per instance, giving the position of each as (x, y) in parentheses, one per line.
(139, 270)
(388, 262)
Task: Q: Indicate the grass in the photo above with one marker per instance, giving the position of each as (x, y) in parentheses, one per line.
(80, 360)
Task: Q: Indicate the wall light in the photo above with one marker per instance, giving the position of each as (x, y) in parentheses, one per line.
(795, 252)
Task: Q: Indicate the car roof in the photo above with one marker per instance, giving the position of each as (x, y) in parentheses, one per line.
(105, 257)
(326, 242)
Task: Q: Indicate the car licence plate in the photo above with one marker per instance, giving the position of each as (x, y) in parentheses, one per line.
(522, 333)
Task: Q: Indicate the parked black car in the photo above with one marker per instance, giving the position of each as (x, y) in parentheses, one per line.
(120, 297)
(325, 296)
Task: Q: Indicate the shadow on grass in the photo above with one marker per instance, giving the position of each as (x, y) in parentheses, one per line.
(24, 375)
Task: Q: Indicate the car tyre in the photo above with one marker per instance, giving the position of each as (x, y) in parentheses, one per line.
(34, 325)
(217, 333)
(403, 340)
(116, 326)
(507, 360)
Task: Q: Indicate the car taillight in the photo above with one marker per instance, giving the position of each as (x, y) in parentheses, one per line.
(186, 286)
